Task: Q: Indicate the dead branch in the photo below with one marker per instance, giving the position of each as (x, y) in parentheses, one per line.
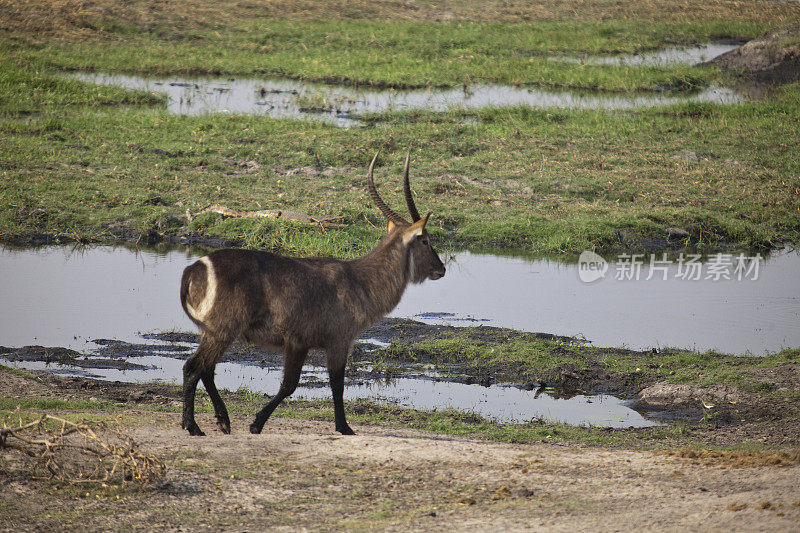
(80, 452)
(286, 214)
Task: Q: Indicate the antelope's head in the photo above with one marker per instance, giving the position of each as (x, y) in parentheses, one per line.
(423, 261)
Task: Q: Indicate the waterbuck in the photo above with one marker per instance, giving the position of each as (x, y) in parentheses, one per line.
(297, 304)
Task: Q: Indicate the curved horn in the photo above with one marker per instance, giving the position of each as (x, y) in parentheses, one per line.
(412, 208)
(385, 209)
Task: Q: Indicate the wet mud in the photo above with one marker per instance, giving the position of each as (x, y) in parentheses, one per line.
(389, 350)
(773, 57)
(368, 350)
(65, 357)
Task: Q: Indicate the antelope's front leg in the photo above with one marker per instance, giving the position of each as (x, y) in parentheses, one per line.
(293, 360)
(337, 361)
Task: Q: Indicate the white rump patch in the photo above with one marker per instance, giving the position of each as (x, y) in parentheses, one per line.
(201, 311)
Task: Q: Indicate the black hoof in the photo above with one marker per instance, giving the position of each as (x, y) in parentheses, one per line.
(194, 430)
(346, 431)
(255, 429)
(224, 425)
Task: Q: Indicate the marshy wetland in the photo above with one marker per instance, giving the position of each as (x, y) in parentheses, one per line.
(56, 295)
(511, 392)
(287, 99)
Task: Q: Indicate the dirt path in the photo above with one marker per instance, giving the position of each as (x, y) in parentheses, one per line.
(300, 475)
(472, 484)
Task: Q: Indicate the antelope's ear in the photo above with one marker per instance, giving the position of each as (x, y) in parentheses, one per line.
(392, 225)
(415, 229)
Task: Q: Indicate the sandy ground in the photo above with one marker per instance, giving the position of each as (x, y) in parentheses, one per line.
(513, 487)
(301, 475)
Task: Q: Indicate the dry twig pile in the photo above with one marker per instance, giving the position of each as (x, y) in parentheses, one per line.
(79, 452)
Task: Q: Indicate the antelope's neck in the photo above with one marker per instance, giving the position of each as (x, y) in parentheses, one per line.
(383, 274)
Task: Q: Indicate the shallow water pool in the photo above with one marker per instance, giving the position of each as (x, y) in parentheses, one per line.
(66, 296)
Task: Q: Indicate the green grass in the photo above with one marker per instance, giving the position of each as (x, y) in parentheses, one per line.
(524, 358)
(18, 372)
(406, 54)
(94, 163)
(245, 403)
(23, 92)
(524, 362)
(542, 181)
(11, 404)
(452, 422)
(360, 412)
(381, 44)
(365, 412)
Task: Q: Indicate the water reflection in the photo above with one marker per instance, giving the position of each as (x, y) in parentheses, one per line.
(548, 296)
(673, 55)
(289, 99)
(65, 296)
(498, 402)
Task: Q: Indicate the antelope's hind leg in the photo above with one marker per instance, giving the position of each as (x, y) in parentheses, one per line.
(293, 360)
(201, 366)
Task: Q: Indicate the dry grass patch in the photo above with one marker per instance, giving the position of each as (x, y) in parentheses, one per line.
(737, 459)
(99, 18)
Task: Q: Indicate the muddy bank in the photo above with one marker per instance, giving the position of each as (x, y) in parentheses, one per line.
(772, 57)
(390, 348)
(152, 237)
(712, 430)
(765, 391)
(753, 397)
(65, 357)
(121, 234)
(172, 231)
(370, 358)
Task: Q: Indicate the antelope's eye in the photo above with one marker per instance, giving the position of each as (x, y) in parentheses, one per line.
(425, 242)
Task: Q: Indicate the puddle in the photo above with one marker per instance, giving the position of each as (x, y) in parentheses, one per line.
(289, 99)
(498, 402)
(548, 296)
(66, 296)
(672, 55)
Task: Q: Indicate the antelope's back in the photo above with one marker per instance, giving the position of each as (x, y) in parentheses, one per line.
(310, 299)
